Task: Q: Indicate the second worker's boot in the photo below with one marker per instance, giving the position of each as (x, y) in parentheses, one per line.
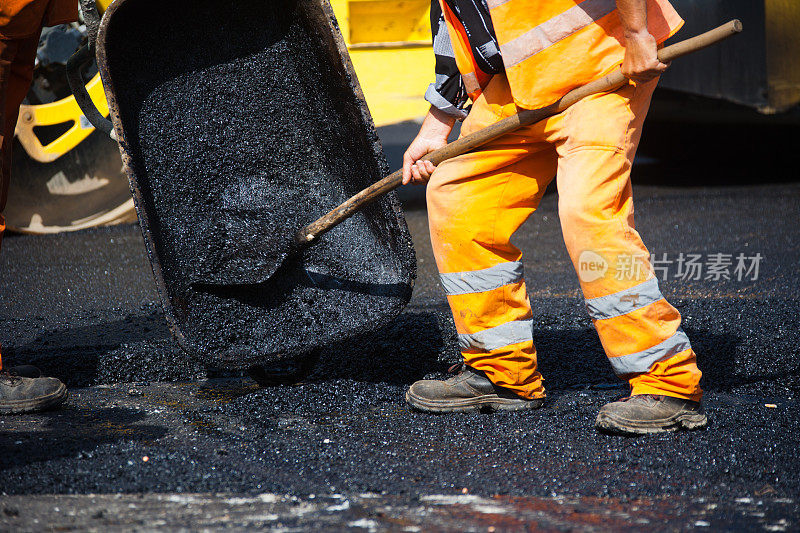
(469, 390)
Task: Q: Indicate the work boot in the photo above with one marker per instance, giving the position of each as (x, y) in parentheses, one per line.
(650, 413)
(20, 394)
(469, 390)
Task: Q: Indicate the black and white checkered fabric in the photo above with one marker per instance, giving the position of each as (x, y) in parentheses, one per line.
(447, 92)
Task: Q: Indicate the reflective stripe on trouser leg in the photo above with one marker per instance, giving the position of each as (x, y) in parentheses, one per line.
(640, 331)
(475, 204)
(483, 280)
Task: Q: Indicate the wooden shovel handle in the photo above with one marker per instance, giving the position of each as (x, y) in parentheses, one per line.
(470, 142)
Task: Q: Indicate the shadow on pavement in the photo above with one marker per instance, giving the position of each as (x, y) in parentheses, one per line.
(692, 155)
(136, 348)
(72, 432)
(411, 347)
(407, 349)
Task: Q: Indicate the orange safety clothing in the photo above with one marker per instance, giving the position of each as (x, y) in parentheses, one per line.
(477, 201)
(551, 47)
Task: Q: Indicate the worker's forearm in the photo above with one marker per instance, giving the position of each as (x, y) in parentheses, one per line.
(641, 62)
(633, 16)
(437, 124)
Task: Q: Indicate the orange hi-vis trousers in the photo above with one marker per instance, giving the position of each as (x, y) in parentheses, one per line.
(477, 201)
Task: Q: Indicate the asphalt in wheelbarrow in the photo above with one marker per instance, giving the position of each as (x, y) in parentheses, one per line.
(242, 126)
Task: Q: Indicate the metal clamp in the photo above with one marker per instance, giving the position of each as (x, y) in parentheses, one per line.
(81, 58)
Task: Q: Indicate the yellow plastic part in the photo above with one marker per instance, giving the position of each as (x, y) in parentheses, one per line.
(65, 110)
(390, 47)
(382, 21)
(62, 111)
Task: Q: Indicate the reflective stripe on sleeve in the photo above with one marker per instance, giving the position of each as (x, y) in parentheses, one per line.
(636, 363)
(471, 82)
(557, 28)
(498, 336)
(483, 280)
(442, 45)
(491, 4)
(623, 302)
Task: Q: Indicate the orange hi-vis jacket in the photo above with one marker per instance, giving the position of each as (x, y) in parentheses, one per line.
(549, 47)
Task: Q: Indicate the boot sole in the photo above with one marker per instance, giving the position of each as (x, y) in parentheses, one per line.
(615, 424)
(37, 404)
(472, 405)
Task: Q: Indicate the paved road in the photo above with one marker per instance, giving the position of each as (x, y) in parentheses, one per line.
(142, 418)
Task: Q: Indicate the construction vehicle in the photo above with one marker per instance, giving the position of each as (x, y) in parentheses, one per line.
(65, 175)
(68, 177)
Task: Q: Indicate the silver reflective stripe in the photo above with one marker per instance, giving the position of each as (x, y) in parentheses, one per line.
(484, 280)
(635, 363)
(557, 28)
(498, 336)
(471, 82)
(491, 4)
(623, 302)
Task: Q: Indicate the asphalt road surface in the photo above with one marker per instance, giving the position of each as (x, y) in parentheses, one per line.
(149, 438)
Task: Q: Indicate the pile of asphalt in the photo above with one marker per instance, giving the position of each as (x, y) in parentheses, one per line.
(243, 126)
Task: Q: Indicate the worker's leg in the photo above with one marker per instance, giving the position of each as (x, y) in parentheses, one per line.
(16, 71)
(640, 331)
(19, 392)
(17, 58)
(475, 204)
(8, 50)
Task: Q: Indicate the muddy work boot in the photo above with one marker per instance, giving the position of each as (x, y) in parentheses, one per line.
(650, 413)
(468, 391)
(19, 394)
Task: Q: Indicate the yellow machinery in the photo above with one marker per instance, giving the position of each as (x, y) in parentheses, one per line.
(59, 112)
(73, 180)
(390, 46)
(67, 180)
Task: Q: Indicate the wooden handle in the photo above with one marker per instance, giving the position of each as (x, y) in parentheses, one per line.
(526, 117)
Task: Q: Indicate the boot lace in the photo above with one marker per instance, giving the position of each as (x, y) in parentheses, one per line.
(651, 397)
(457, 368)
(11, 377)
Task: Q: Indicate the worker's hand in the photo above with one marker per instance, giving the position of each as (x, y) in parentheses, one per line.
(415, 169)
(432, 136)
(641, 62)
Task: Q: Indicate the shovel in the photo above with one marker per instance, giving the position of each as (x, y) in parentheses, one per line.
(238, 288)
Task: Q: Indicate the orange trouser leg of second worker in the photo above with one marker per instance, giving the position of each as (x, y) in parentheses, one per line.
(16, 71)
(476, 202)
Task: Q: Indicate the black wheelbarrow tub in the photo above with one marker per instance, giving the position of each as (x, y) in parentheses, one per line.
(237, 122)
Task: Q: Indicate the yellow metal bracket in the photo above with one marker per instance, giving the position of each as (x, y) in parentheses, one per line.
(60, 112)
